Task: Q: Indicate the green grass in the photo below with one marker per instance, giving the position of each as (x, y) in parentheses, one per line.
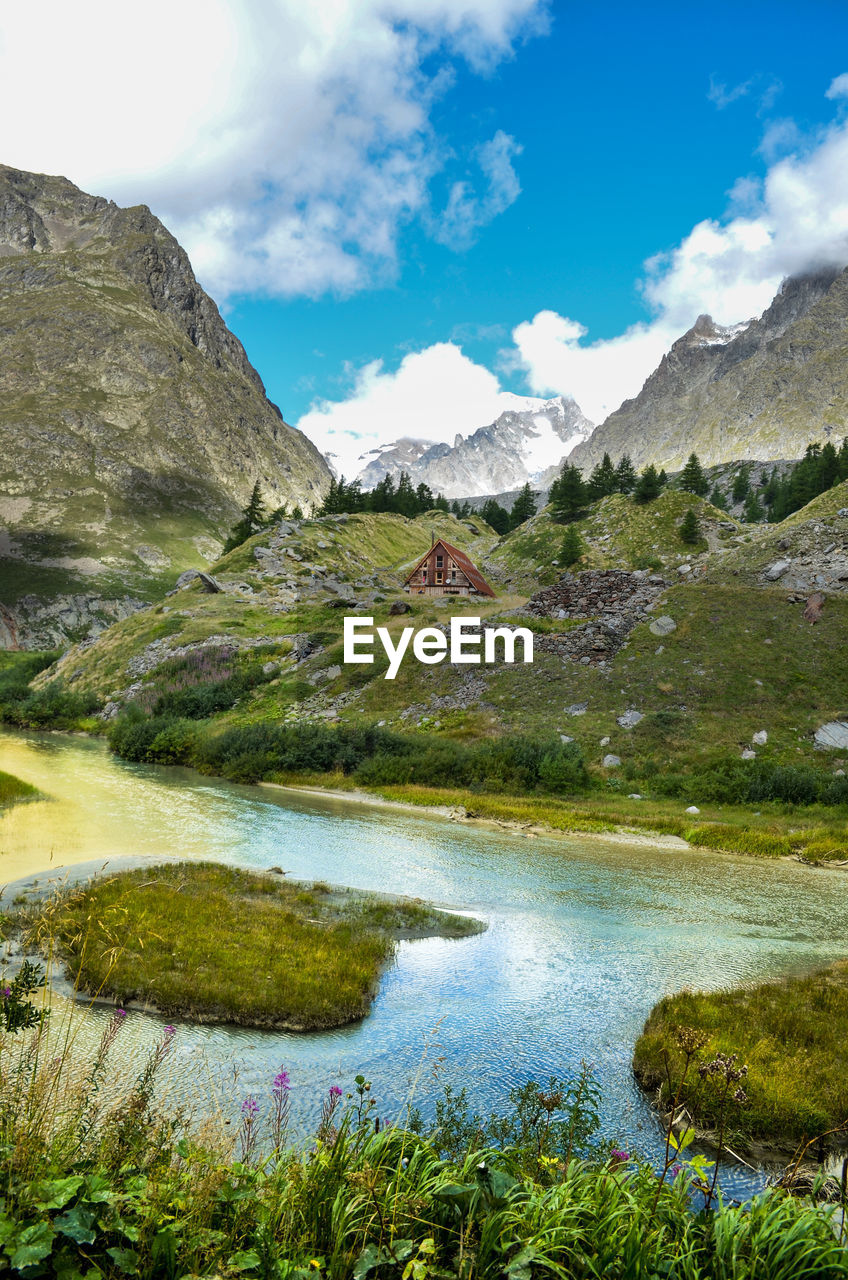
(217, 943)
(793, 1037)
(13, 789)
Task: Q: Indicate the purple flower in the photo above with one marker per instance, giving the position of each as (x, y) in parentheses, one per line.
(120, 1013)
(281, 1080)
(675, 1169)
(335, 1091)
(170, 1031)
(250, 1106)
(7, 991)
(619, 1156)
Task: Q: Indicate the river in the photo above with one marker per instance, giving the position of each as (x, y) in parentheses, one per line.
(584, 934)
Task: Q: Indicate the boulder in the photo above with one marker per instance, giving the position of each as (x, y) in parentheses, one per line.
(832, 736)
(577, 709)
(776, 570)
(611, 761)
(398, 607)
(693, 809)
(208, 583)
(748, 754)
(185, 578)
(760, 738)
(630, 719)
(663, 626)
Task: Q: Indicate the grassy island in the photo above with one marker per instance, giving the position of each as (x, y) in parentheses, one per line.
(793, 1037)
(13, 789)
(219, 944)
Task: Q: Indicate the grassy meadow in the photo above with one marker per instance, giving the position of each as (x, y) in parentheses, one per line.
(791, 1034)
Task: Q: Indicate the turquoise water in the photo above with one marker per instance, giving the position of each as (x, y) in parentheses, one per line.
(584, 935)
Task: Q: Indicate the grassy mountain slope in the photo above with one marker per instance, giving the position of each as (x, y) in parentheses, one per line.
(133, 423)
(762, 392)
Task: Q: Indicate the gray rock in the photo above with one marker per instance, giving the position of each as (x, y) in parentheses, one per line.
(760, 738)
(210, 586)
(748, 754)
(563, 737)
(832, 736)
(270, 668)
(630, 719)
(611, 762)
(634, 795)
(577, 709)
(663, 626)
(399, 606)
(776, 570)
(185, 578)
(693, 809)
(605, 741)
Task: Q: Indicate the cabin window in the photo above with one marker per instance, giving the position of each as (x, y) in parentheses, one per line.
(440, 560)
(438, 575)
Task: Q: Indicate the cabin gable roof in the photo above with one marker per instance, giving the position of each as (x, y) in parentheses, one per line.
(461, 560)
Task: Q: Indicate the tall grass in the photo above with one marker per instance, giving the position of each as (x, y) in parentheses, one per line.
(791, 1034)
(101, 1179)
(13, 789)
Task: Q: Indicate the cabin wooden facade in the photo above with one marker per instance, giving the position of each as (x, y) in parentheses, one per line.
(446, 571)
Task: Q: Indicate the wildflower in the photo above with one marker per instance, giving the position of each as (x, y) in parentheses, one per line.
(619, 1156)
(250, 1106)
(7, 991)
(281, 1081)
(120, 1013)
(335, 1091)
(676, 1169)
(170, 1030)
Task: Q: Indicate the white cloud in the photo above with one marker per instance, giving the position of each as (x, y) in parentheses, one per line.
(467, 211)
(796, 221)
(793, 221)
(284, 143)
(433, 395)
(838, 87)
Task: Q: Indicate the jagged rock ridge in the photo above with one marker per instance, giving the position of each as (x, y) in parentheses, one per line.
(522, 444)
(133, 425)
(758, 390)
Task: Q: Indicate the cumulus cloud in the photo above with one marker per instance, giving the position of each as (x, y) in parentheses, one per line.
(433, 395)
(795, 221)
(286, 144)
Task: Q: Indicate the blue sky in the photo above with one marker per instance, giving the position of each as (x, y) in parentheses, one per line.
(410, 210)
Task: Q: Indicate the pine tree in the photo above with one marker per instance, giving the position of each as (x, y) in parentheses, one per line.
(572, 547)
(625, 475)
(662, 478)
(742, 484)
(495, 515)
(690, 530)
(753, 512)
(523, 508)
(382, 496)
(718, 499)
(405, 501)
(569, 496)
(648, 486)
(424, 498)
(602, 481)
(441, 503)
(252, 520)
(692, 478)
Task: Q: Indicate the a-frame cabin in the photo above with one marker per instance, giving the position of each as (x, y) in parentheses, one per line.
(446, 571)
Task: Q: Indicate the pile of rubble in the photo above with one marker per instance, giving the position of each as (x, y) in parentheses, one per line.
(612, 600)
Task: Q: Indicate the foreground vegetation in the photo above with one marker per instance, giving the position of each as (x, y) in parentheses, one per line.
(217, 943)
(99, 1179)
(793, 1037)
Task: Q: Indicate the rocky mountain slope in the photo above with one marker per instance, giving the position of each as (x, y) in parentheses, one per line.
(133, 425)
(759, 390)
(522, 444)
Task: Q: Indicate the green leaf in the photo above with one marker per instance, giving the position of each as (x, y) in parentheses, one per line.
(244, 1260)
(682, 1141)
(164, 1252)
(78, 1224)
(458, 1194)
(368, 1259)
(55, 1193)
(520, 1267)
(126, 1260)
(32, 1245)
